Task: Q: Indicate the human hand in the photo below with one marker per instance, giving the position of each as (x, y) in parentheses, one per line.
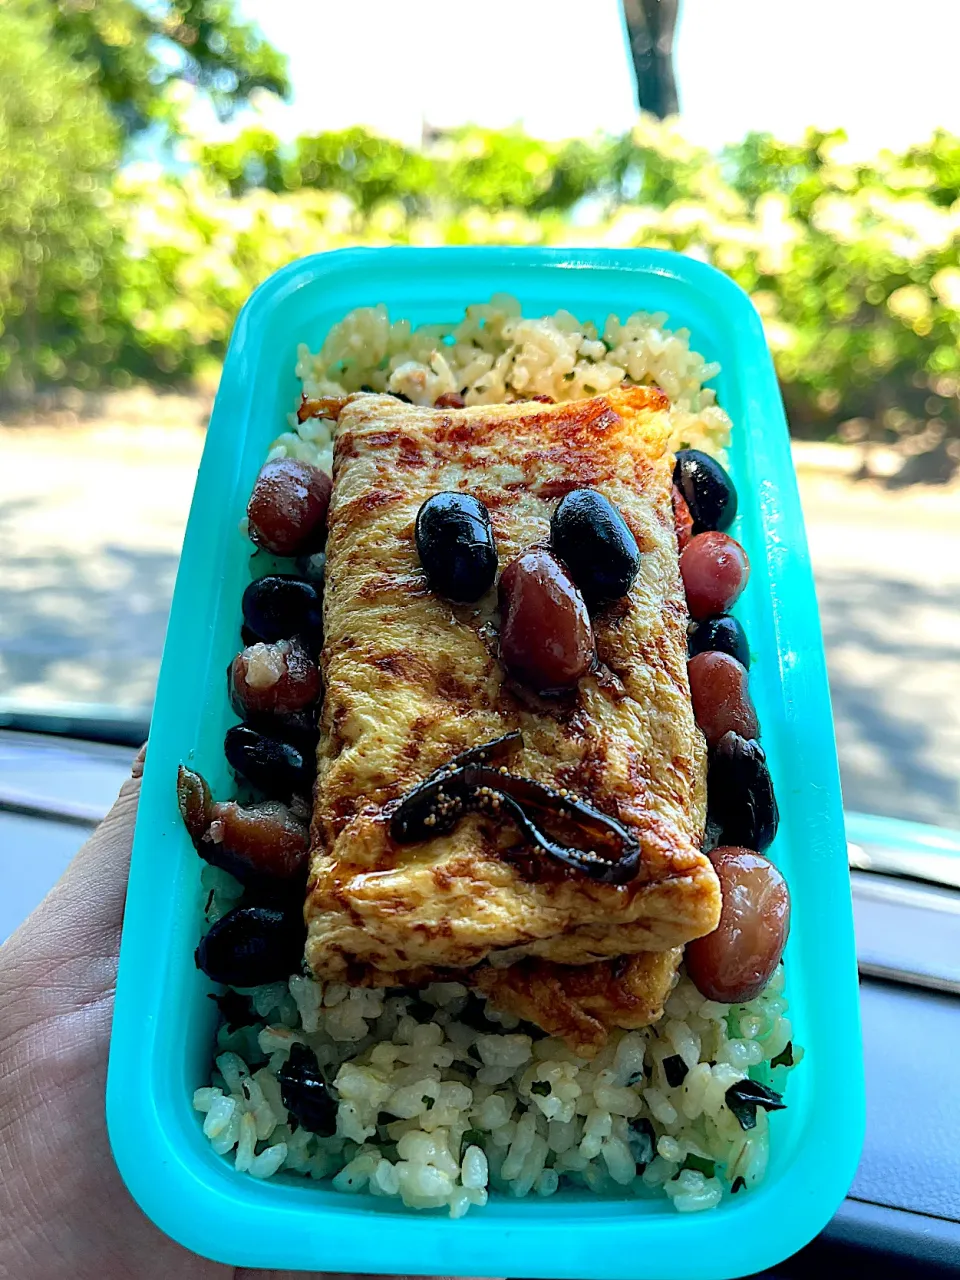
(64, 1211)
(63, 1208)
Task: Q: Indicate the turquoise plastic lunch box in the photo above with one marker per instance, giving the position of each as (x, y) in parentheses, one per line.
(164, 1024)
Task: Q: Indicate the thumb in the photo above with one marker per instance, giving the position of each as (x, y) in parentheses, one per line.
(65, 953)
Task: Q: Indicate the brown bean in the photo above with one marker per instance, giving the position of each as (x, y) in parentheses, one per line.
(196, 803)
(259, 840)
(682, 519)
(721, 698)
(735, 962)
(273, 678)
(287, 511)
(715, 570)
(546, 639)
(252, 842)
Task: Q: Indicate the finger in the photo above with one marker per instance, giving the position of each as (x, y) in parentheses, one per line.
(64, 953)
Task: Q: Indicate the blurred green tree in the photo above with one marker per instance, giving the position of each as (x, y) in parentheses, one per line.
(107, 274)
(58, 146)
(364, 167)
(861, 291)
(134, 51)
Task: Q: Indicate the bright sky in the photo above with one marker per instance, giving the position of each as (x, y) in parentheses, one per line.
(880, 68)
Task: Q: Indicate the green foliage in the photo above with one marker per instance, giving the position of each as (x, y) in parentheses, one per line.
(58, 145)
(367, 169)
(853, 265)
(251, 159)
(135, 50)
(761, 165)
(858, 283)
(467, 168)
(191, 258)
(509, 171)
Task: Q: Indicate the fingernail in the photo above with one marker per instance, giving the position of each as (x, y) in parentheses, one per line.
(136, 769)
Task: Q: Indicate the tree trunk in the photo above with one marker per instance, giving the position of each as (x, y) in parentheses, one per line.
(650, 28)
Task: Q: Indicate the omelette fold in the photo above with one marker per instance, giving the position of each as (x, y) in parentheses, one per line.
(412, 679)
(580, 1003)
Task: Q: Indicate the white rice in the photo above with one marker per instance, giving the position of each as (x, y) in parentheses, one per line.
(439, 1111)
(496, 355)
(441, 1100)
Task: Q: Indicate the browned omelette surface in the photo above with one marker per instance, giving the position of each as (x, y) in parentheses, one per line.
(581, 1003)
(411, 679)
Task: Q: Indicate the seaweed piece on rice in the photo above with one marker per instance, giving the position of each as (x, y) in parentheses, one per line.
(642, 1141)
(699, 1164)
(745, 1096)
(234, 1009)
(675, 1070)
(471, 1138)
(785, 1057)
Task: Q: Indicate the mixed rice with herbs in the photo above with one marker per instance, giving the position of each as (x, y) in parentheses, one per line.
(496, 355)
(442, 1099)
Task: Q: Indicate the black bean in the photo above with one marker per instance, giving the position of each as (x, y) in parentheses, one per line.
(280, 607)
(274, 767)
(591, 537)
(707, 488)
(304, 1091)
(741, 804)
(253, 945)
(723, 634)
(455, 544)
(299, 728)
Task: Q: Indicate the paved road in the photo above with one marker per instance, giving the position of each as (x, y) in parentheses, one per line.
(888, 580)
(91, 521)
